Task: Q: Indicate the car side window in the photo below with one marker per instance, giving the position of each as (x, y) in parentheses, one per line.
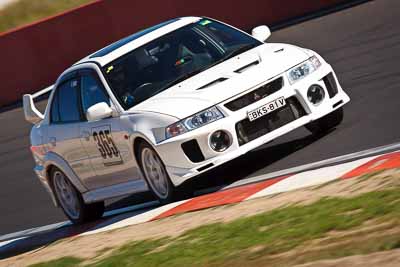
(92, 91)
(65, 106)
(55, 113)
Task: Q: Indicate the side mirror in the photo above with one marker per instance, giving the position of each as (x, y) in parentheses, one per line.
(261, 33)
(99, 111)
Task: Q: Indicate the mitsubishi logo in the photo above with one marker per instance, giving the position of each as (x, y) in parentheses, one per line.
(256, 96)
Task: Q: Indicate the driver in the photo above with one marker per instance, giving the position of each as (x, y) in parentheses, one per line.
(119, 79)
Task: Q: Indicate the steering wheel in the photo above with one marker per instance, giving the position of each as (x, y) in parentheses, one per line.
(141, 92)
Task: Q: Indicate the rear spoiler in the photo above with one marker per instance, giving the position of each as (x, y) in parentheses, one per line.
(32, 114)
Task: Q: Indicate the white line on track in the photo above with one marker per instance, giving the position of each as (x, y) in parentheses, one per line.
(5, 243)
(28, 232)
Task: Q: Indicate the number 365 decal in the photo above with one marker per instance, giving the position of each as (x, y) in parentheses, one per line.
(106, 146)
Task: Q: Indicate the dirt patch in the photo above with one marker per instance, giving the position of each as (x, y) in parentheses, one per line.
(381, 259)
(89, 247)
(359, 239)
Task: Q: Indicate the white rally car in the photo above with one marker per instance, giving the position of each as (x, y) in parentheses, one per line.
(169, 103)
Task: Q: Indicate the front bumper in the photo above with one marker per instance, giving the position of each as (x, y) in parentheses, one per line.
(181, 168)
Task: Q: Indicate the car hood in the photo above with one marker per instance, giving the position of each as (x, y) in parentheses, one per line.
(224, 81)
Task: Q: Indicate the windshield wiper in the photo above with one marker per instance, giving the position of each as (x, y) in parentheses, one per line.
(231, 54)
(181, 78)
(240, 50)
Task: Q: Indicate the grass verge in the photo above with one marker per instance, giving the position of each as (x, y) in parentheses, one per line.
(63, 262)
(27, 11)
(325, 228)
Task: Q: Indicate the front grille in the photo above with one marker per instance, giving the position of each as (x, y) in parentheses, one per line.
(330, 84)
(247, 130)
(255, 95)
(192, 151)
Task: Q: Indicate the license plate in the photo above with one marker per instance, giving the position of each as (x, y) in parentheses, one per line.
(265, 109)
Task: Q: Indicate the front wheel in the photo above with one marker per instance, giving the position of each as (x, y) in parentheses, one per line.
(326, 123)
(155, 174)
(71, 201)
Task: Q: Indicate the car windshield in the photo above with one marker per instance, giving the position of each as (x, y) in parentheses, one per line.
(172, 58)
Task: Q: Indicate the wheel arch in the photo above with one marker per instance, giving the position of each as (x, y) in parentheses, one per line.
(146, 127)
(55, 161)
(137, 140)
(49, 187)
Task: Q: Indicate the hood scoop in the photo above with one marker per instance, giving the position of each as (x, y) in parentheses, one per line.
(219, 80)
(248, 66)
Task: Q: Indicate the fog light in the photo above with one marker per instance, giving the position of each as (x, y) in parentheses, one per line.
(220, 141)
(315, 94)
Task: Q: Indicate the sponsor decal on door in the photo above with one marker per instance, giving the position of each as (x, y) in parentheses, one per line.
(106, 145)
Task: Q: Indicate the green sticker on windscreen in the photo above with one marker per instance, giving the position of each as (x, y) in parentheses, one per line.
(109, 69)
(205, 22)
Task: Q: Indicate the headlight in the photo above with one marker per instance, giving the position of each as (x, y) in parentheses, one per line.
(193, 122)
(300, 71)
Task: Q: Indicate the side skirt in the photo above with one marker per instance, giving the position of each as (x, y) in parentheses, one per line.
(117, 190)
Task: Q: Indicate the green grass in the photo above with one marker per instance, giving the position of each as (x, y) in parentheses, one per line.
(63, 262)
(27, 11)
(251, 241)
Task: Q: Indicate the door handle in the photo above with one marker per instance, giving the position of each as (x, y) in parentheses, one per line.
(53, 141)
(86, 135)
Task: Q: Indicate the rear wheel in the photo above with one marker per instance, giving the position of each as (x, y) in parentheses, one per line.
(154, 172)
(71, 201)
(326, 123)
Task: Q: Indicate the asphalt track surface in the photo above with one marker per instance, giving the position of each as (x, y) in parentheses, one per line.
(361, 43)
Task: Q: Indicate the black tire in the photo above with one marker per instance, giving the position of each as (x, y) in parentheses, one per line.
(171, 193)
(86, 212)
(326, 123)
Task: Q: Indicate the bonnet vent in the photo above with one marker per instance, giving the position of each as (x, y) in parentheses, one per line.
(248, 66)
(219, 80)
